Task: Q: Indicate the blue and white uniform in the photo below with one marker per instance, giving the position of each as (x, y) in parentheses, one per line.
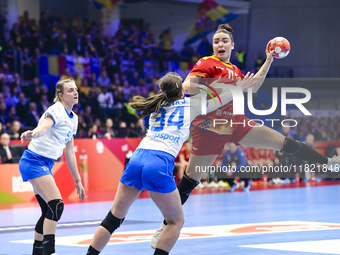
(37, 160)
(152, 164)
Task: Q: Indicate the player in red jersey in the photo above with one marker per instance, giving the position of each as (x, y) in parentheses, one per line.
(208, 141)
(182, 159)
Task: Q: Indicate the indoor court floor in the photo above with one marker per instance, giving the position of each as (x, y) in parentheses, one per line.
(283, 221)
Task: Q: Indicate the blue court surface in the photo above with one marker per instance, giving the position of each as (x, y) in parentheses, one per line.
(278, 221)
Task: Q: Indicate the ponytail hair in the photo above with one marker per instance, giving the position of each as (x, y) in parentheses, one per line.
(225, 28)
(60, 89)
(170, 85)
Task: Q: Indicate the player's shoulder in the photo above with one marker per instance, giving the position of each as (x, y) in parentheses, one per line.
(57, 106)
(74, 117)
(207, 59)
(55, 109)
(239, 149)
(181, 102)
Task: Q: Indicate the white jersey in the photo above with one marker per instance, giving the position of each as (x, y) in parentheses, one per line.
(170, 129)
(52, 144)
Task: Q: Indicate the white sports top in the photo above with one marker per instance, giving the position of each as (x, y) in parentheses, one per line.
(52, 144)
(170, 129)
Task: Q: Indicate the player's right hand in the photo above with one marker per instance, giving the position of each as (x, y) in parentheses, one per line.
(27, 135)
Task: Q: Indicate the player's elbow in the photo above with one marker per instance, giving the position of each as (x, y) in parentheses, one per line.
(69, 152)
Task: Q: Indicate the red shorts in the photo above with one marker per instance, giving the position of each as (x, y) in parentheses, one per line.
(206, 142)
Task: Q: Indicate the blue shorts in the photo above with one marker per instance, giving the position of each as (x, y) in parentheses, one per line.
(150, 170)
(32, 165)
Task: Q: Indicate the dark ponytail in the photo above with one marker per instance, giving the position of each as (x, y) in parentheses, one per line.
(170, 85)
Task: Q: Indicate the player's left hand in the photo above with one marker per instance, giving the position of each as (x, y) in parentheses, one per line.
(215, 82)
(247, 82)
(80, 189)
(269, 53)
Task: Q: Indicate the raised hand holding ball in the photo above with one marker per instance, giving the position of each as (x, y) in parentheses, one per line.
(280, 46)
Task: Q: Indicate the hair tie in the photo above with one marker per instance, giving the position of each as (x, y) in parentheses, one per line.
(177, 85)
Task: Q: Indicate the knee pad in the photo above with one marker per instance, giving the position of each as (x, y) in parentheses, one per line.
(291, 146)
(39, 226)
(44, 209)
(43, 204)
(111, 223)
(55, 209)
(185, 186)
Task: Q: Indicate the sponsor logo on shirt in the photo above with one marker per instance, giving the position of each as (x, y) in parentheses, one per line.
(165, 137)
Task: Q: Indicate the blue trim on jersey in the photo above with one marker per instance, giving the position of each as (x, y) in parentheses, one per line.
(186, 95)
(52, 118)
(71, 116)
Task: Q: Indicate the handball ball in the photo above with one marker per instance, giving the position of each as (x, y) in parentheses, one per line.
(281, 47)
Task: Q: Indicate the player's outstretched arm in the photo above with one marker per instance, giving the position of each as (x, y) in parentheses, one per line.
(226, 96)
(190, 85)
(38, 131)
(262, 73)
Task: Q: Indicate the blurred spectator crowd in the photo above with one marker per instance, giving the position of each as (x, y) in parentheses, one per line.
(104, 97)
(124, 72)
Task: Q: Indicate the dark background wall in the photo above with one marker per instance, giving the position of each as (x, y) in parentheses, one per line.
(312, 27)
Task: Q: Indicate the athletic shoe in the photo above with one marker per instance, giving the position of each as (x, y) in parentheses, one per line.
(277, 181)
(213, 184)
(317, 179)
(200, 186)
(157, 235)
(235, 186)
(287, 180)
(246, 189)
(334, 163)
(205, 183)
(223, 184)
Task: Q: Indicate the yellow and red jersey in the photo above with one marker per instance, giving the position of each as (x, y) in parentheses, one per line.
(212, 67)
(185, 152)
